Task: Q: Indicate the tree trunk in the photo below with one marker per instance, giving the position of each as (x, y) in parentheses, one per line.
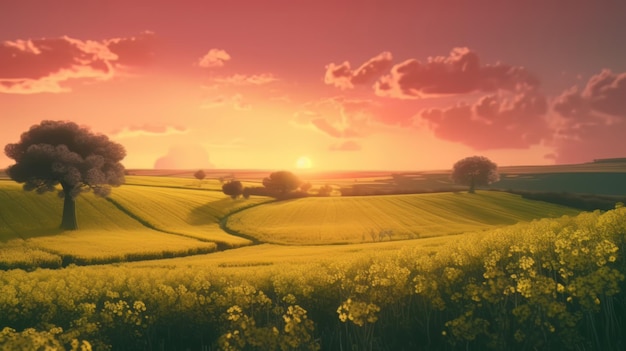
(69, 212)
(472, 188)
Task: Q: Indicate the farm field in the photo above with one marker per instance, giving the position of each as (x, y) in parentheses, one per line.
(377, 296)
(188, 212)
(29, 224)
(308, 273)
(334, 220)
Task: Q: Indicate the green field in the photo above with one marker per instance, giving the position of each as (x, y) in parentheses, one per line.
(189, 212)
(333, 220)
(29, 229)
(172, 263)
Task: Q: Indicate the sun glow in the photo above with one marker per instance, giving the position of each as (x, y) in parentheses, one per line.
(304, 163)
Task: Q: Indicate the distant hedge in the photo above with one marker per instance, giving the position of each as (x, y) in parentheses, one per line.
(586, 202)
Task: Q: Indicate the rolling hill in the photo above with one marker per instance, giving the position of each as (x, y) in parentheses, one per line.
(335, 220)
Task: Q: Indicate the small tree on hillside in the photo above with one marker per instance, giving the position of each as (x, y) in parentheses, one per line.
(325, 190)
(60, 152)
(199, 175)
(281, 183)
(475, 170)
(234, 188)
(305, 187)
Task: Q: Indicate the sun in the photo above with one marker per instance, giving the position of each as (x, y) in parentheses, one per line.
(303, 163)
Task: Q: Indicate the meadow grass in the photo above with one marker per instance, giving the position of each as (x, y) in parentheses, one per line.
(106, 233)
(333, 220)
(188, 212)
(279, 255)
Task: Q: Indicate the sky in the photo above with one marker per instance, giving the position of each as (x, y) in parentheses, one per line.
(326, 85)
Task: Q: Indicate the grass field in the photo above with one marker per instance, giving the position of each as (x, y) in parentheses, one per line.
(333, 220)
(193, 213)
(29, 226)
(453, 264)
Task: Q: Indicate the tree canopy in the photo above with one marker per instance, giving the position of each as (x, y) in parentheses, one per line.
(281, 182)
(475, 170)
(62, 152)
(200, 175)
(233, 188)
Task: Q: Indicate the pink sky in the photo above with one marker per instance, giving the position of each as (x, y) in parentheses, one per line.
(375, 85)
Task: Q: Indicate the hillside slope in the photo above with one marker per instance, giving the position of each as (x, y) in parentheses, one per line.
(30, 234)
(333, 220)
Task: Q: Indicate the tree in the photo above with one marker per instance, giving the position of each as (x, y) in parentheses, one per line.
(305, 187)
(200, 175)
(325, 190)
(281, 183)
(61, 152)
(234, 188)
(475, 170)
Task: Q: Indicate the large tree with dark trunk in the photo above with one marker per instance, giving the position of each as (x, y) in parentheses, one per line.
(475, 170)
(62, 153)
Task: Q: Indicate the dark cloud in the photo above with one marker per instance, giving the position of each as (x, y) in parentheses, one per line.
(342, 76)
(493, 122)
(591, 122)
(459, 73)
(606, 93)
(42, 65)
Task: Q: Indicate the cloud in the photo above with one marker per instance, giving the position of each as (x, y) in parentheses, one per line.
(189, 156)
(591, 122)
(214, 58)
(342, 76)
(239, 104)
(236, 101)
(348, 145)
(44, 65)
(133, 51)
(148, 130)
(338, 117)
(493, 122)
(459, 73)
(242, 79)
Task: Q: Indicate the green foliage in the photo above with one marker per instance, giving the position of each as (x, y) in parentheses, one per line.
(60, 152)
(33, 340)
(233, 188)
(475, 170)
(200, 175)
(281, 183)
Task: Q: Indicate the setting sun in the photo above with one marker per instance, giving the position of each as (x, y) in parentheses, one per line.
(304, 163)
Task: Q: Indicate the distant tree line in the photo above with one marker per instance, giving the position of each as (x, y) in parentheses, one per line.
(280, 185)
(585, 202)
